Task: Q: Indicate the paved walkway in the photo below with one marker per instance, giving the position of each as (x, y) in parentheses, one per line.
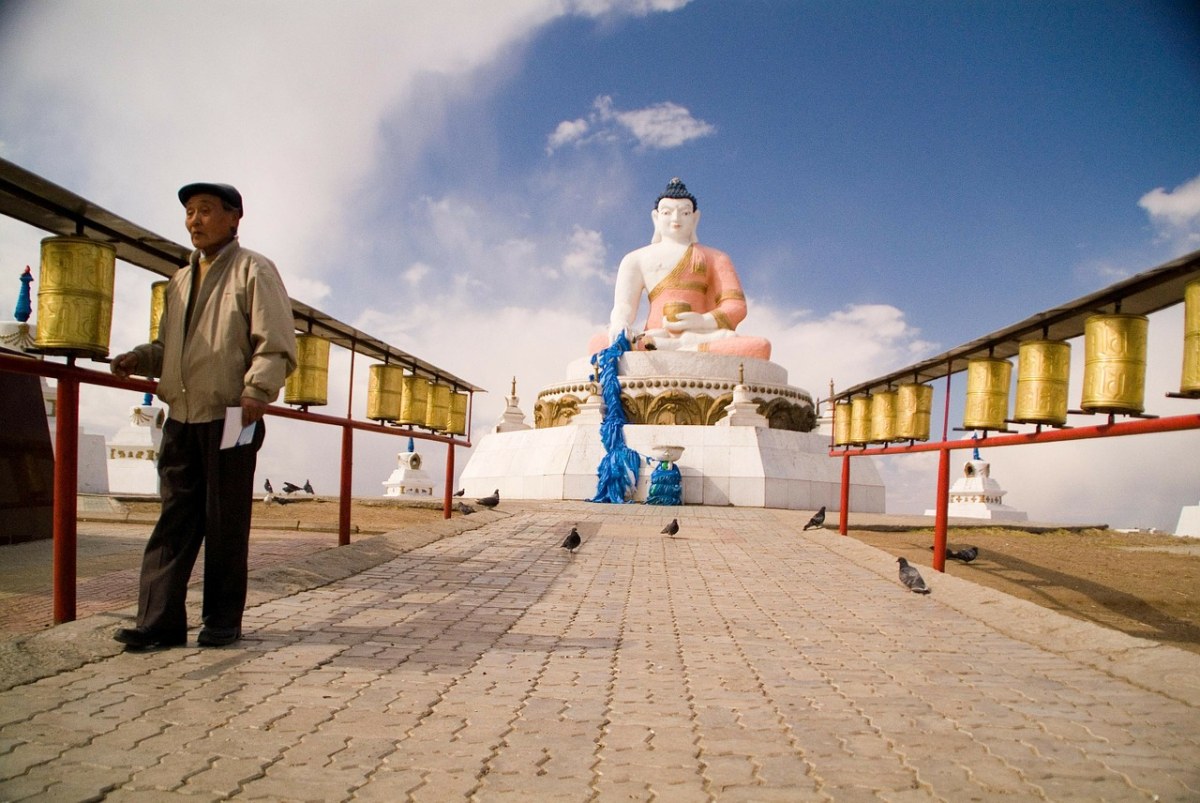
(742, 660)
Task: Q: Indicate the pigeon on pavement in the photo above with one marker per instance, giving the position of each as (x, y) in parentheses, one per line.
(290, 487)
(267, 486)
(460, 492)
(308, 488)
(465, 509)
(572, 541)
(911, 577)
(490, 501)
(966, 555)
(671, 528)
(817, 520)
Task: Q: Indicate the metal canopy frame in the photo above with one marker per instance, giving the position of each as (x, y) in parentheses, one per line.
(1142, 294)
(32, 199)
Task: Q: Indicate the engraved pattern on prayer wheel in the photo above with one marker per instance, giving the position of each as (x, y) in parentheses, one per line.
(415, 402)
(385, 391)
(841, 423)
(1114, 366)
(76, 296)
(1189, 384)
(458, 414)
(437, 407)
(860, 420)
(158, 302)
(987, 393)
(309, 383)
(914, 403)
(1043, 371)
(883, 416)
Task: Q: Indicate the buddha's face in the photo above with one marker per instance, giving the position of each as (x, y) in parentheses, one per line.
(675, 219)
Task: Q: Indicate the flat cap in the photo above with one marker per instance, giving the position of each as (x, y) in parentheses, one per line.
(226, 192)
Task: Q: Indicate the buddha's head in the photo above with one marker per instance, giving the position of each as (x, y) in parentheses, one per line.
(675, 214)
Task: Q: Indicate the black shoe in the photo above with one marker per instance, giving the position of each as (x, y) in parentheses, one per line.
(218, 636)
(139, 638)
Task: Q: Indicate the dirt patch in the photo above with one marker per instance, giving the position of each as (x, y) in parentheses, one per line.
(1142, 584)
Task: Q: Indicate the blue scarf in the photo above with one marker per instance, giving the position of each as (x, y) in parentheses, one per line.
(618, 471)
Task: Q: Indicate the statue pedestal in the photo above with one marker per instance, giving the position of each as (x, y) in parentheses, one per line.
(730, 465)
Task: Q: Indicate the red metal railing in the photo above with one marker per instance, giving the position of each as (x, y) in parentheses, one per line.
(70, 376)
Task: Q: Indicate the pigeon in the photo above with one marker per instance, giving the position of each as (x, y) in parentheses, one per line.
(308, 488)
(272, 499)
(460, 492)
(267, 486)
(490, 501)
(290, 487)
(671, 528)
(911, 577)
(817, 520)
(465, 509)
(572, 541)
(966, 555)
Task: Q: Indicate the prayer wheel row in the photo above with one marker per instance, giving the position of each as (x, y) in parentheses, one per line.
(1114, 376)
(885, 416)
(400, 398)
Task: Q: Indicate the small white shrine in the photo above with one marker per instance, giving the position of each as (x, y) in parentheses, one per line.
(409, 479)
(133, 451)
(975, 495)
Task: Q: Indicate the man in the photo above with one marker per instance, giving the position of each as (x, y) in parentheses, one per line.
(226, 340)
(696, 299)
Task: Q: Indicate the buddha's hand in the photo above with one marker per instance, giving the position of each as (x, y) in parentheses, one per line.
(691, 322)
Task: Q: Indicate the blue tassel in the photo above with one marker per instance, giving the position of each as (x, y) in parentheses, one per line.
(618, 470)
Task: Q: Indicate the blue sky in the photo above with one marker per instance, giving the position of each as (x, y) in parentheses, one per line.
(461, 179)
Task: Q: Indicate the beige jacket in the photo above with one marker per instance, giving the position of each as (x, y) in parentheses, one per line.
(241, 341)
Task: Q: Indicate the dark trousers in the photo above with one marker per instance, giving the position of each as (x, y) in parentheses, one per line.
(207, 493)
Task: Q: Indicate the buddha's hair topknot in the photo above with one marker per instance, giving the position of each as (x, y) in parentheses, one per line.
(677, 189)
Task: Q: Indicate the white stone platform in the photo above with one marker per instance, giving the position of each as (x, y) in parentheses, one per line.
(975, 495)
(721, 465)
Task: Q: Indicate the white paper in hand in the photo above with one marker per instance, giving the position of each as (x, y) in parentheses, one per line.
(234, 433)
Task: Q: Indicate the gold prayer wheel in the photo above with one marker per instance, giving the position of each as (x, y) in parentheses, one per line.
(914, 403)
(841, 423)
(75, 297)
(1043, 370)
(1114, 365)
(987, 393)
(414, 403)
(458, 414)
(385, 391)
(860, 420)
(309, 383)
(158, 302)
(437, 407)
(883, 416)
(1189, 384)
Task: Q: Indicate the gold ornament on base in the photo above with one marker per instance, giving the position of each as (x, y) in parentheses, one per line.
(75, 297)
(987, 393)
(860, 420)
(1114, 367)
(309, 383)
(883, 416)
(914, 403)
(385, 392)
(1043, 369)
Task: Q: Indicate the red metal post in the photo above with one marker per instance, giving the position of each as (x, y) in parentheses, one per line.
(344, 491)
(66, 489)
(449, 481)
(943, 501)
(844, 505)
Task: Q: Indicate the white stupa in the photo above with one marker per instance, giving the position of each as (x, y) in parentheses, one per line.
(133, 451)
(409, 480)
(975, 495)
(1189, 521)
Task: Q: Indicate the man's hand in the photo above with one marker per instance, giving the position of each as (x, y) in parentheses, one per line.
(123, 365)
(252, 410)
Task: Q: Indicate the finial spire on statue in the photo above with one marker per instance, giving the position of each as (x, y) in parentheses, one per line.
(514, 387)
(24, 302)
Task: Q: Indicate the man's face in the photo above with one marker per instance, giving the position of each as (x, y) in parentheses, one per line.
(209, 222)
(675, 219)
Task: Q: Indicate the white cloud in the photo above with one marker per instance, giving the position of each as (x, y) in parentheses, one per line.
(586, 255)
(415, 273)
(660, 126)
(1176, 213)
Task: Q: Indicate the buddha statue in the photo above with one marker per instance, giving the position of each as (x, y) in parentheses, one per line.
(696, 299)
